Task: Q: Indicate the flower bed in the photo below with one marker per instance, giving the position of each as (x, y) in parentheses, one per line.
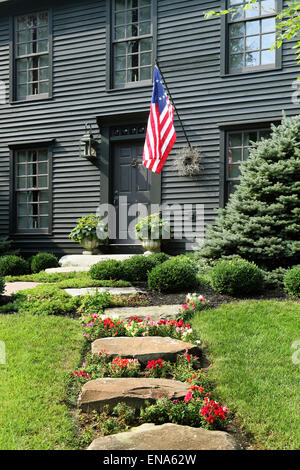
(97, 326)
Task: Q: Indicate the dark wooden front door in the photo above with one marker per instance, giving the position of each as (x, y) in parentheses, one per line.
(132, 184)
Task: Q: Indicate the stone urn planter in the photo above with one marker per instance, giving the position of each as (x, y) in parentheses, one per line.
(151, 246)
(91, 246)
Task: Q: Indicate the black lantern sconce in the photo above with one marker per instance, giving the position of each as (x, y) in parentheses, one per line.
(88, 145)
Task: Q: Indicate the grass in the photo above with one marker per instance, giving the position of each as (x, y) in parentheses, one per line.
(67, 280)
(250, 346)
(41, 353)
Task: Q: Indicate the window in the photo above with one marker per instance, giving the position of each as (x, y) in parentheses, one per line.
(32, 190)
(238, 144)
(132, 33)
(31, 52)
(251, 34)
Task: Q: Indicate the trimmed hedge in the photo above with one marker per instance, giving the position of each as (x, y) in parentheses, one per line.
(175, 274)
(291, 281)
(236, 277)
(105, 270)
(11, 265)
(43, 261)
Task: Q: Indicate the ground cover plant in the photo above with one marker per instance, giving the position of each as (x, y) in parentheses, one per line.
(250, 344)
(34, 382)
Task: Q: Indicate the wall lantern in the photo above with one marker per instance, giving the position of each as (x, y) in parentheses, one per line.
(88, 145)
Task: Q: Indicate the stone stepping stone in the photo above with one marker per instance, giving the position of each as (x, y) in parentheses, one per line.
(14, 287)
(145, 348)
(166, 437)
(88, 260)
(162, 312)
(133, 391)
(111, 290)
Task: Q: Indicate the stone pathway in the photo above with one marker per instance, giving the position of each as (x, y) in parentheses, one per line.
(14, 287)
(133, 391)
(144, 349)
(111, 290)
(156, 313)
(166, 437)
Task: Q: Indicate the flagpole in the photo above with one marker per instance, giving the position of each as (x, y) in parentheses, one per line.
(165, 83)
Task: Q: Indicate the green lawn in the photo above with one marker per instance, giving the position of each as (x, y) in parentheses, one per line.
(250, 346)
(41, 352)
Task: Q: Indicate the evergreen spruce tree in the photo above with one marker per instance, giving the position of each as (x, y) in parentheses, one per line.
(261, 221)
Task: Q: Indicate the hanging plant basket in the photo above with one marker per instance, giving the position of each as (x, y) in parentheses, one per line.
(188, 161)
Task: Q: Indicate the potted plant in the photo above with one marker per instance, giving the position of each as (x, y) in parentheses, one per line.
(90, 232)
(150, 231)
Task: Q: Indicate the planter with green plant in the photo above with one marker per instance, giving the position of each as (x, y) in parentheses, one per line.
(90, 232)
(151, 230)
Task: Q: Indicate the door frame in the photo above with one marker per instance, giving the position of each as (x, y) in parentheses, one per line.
(106, 123)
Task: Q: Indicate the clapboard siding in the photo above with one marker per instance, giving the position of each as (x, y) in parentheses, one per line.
(188, 49)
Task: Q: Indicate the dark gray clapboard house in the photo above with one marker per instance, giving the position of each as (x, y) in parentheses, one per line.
(69, 64)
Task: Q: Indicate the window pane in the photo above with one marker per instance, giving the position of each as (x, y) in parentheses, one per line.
(252, 27)
(146, 73)
(44, 87)
(268, 25)
(236, 155)
(264, 134)
(120, 4)
(133, 46)
(42, 46)
(44, 74)
(43, 222)
(237, 61)
(22, 64)
(21, 170)
(43, 168)
(21, 157)
(120, 63)
(119, 18)
(237, 29)
(146, 58)
(44, 209)
(21, 49)
(22, 223)
(21, 77)
(42, 182)
(145, 2)
(237, 15)
(235, 140)
(145, 14)
(44, 196)
(235, 171)
(146, 44)
(21, 183)
(44, 61)
(268, 57)
(237, 45)
(232, 187)
(267, 41)
(250, 137)
(252, 43)
(145, 28)
(252, 59)
(268, 7)
(133, 75)
(120, 49)
(43, 18)
(43, 33)
(132, 30)
(252, 11)
(120, 78)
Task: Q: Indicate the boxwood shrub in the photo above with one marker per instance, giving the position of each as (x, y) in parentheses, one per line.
(105, 270)
(43, 261)
(12, 265)
(138, 267)
(291, 281)
(236, 277)
(175, 274)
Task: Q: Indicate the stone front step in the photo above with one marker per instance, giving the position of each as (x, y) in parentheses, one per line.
(145, 348)
(156, 313)
(133, 391)
(88, 260)
(166, 437)
(111, 290)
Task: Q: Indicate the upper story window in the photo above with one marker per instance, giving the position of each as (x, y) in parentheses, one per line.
(132, 37)
(31, 170)
(251, 34)
(31, 53)
(238, 145)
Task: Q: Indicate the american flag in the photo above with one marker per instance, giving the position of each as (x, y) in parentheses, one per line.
(161, 135)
